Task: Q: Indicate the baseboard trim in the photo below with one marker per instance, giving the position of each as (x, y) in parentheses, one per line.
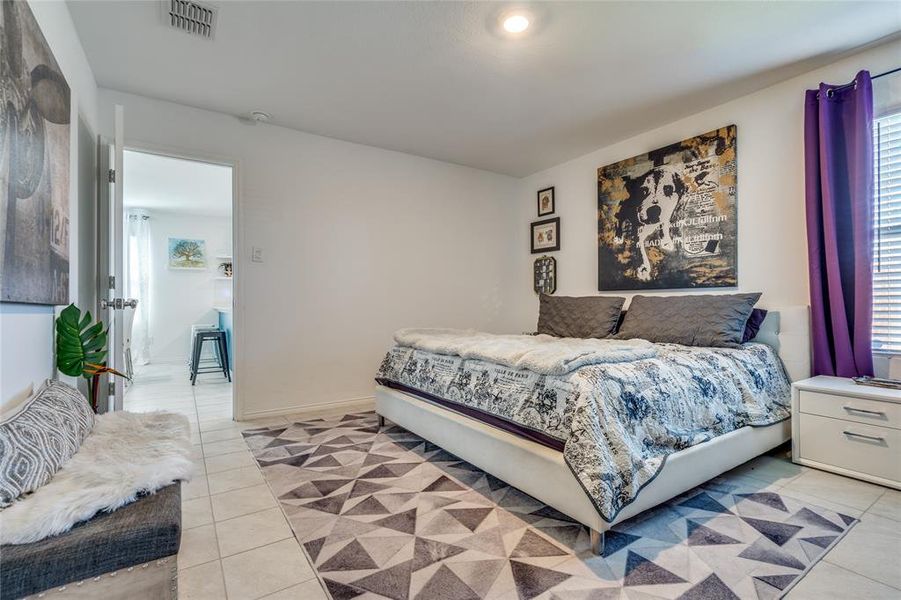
(350, 404)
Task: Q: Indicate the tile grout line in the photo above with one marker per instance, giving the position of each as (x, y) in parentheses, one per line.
(242, 515)
(854, 508)
(873, 503)
(825, 559)
(819, 499)
(288, 586)
(877, 514)
(209, 496)
(243, 487)
(195, 424)
(277, 505)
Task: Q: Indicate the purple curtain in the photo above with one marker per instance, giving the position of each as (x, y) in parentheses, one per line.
(838, 148)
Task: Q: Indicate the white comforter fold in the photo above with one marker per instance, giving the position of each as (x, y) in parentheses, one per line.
(126, 454)
(543, 354)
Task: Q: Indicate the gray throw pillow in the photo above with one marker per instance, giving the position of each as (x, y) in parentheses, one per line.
(39, 437)
(709, 320)
(585, 317)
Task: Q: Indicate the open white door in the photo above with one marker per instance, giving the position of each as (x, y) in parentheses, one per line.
(110, 227)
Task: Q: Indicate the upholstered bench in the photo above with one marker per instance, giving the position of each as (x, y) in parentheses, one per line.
(78, 514)
(128, 553)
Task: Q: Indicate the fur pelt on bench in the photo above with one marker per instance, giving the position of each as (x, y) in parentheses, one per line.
(126, 454)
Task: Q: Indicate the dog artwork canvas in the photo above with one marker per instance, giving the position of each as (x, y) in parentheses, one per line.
(667, 219)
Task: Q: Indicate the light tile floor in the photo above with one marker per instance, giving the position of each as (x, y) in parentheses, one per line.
(236, 543)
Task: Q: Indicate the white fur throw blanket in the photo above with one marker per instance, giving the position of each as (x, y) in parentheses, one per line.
(543, 354)
(126, 454)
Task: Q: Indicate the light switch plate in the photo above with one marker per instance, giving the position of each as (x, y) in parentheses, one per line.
(256, 254)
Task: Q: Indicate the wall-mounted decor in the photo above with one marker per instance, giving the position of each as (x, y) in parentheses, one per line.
(34, 164)
(545, 275)
(546, 201)
(667, 219)
(187, 254)
(546, 235)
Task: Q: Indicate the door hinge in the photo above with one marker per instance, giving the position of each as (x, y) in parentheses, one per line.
(111, 388)
(112, 176)
(112, 282)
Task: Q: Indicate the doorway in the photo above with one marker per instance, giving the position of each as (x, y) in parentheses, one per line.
(178, 339)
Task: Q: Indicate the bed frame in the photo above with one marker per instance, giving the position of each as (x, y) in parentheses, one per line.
(541, 472)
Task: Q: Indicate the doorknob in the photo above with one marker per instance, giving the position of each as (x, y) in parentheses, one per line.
(118, 303)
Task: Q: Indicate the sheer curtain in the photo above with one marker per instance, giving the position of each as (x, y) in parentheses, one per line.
(137, 281)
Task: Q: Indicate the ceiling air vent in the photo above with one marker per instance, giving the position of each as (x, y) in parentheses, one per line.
(191, 17)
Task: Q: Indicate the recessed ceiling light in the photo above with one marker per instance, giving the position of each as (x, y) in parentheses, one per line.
(516, 23)
(260, 116)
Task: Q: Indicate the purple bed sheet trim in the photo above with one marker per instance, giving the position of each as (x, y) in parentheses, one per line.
(474, 413)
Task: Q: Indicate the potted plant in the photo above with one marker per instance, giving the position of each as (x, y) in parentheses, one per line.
(81, 349)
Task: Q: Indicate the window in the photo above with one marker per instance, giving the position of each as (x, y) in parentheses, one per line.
(887, 235)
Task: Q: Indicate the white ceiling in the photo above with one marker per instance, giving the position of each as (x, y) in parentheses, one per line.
(437, 79)
(157, 182)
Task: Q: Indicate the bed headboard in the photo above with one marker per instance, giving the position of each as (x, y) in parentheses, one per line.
(787, 329)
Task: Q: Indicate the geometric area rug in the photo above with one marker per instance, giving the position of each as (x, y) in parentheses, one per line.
(386, 514)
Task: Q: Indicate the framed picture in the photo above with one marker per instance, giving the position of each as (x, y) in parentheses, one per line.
(187, 254)
(545, 275)
(34, 164)
(667, 219)
(546, 201)
(546, 235)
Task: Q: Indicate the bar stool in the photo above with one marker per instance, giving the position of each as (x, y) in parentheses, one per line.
(221, 350)
(203, 359)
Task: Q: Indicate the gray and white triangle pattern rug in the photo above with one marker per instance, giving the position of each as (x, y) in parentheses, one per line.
(389, 515)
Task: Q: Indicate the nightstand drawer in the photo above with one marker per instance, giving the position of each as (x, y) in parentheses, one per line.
(863, 448)
(847, 408)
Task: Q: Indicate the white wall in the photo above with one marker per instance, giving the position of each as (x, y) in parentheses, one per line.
(772, 249)
(357, 242)
(181, 298)
(360, 241)
(26, 331)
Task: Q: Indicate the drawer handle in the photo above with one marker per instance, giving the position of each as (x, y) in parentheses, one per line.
(877, 413)
(873, 438)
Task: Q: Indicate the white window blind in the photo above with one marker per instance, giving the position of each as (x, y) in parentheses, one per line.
(887, 235)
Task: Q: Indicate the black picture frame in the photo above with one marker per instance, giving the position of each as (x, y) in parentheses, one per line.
(544, 275)
(553, 201)
(556, 222)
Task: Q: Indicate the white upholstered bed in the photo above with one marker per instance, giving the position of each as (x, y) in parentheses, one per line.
(541, 471)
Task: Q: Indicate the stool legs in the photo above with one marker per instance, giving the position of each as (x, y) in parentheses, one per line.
(195, 358)
(223, 354)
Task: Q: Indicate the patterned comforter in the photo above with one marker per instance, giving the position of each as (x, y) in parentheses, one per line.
(619, 421)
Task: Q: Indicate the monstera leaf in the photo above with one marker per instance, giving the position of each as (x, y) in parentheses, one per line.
(80, 345)
(81, 348)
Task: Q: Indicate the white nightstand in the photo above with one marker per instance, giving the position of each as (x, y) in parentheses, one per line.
(846, 428)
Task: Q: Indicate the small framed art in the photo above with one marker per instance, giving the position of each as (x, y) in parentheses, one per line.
(187, 254)
(546, 201)
(546, 235)
(545, 275)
